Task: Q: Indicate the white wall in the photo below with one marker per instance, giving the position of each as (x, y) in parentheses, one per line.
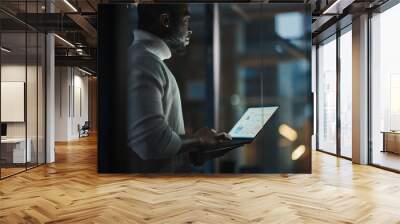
(61, 103)
(10, 73)
(80, 102)
(71, 94)
(16, 73)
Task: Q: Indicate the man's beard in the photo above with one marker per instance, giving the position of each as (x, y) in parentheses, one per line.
(176, 45)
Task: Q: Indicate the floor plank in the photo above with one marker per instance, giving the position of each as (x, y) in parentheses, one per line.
(71, 191)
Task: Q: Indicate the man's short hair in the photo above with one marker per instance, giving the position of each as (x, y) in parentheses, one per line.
(148, 14)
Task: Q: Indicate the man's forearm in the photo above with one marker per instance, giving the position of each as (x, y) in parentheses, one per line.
(189, 143)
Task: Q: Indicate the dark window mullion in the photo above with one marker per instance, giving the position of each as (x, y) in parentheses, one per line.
(37, 90)
(369, 90)
(317, 97)
(0, 94)
(44, 72)
(338, 78)
(26, 86)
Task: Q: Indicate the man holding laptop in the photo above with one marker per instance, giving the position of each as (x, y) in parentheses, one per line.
(244, 132)
(156, 134)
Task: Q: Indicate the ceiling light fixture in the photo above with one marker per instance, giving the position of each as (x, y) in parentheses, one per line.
(337, 7)
(5, 50)
(329, 9)
(65, 41)
(70, 5)
(84, 71)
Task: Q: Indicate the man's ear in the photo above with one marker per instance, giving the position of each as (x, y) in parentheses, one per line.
(164, 20)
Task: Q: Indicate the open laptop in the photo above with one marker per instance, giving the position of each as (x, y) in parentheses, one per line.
(247, 128)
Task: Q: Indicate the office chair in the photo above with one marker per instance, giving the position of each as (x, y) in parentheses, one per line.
(84, 130)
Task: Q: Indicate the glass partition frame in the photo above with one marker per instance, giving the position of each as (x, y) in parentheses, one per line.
(34, 68)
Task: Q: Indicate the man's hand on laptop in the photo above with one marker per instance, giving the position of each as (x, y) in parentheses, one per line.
(201, 139)
(209, 136)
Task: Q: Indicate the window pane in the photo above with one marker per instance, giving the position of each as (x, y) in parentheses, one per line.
(345, 94)
(41, 99)
(264, 62)
(31, 99)
(385, 89)
(327, 97)
(15, 150)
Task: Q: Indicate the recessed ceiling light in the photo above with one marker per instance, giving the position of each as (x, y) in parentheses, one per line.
(84, 71)
(70, 5)
(337, 7)
(65, 41)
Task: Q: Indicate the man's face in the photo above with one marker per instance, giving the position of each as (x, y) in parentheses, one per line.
(179, 32)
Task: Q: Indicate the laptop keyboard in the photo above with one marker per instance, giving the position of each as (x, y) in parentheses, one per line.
(228, 143)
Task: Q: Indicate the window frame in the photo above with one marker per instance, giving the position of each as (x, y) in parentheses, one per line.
(380, 9)
(333, 37)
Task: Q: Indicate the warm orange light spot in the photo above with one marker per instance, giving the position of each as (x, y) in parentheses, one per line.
(288, 132)
(298, 152)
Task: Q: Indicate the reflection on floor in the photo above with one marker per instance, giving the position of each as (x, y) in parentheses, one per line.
(386, 159)
(346, 152)
(71, 191)
(8, 170)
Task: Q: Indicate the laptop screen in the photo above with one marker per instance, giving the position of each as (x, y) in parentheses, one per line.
(252, 121)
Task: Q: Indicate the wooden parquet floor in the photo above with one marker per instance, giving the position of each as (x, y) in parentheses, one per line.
(71, 191)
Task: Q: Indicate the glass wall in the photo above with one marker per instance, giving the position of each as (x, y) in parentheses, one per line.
(250, 55)
(327, 91)
(346, 93)
(385, 89)
(265, 60)
(14, 145)
(22, 92)
(334, 94)
(240, 56)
